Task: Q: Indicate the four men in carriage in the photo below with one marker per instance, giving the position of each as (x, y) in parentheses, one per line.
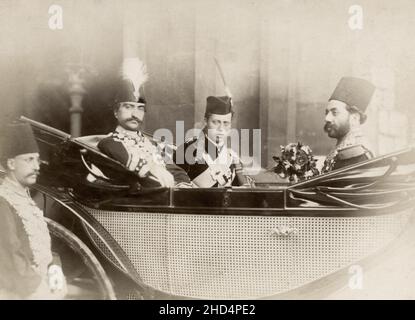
(206, 160)
(27, 265)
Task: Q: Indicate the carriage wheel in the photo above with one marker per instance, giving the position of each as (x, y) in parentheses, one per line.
(85, 276)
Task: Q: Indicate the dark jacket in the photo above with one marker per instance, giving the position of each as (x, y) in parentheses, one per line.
(138, 155)
(17, 277)
(189, 157)
(347, 156)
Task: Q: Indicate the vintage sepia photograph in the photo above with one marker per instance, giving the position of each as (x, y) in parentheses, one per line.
(207, 150)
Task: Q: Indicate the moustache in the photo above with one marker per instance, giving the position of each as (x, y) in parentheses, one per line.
(134, 119)
(328, 126)
(36, 173)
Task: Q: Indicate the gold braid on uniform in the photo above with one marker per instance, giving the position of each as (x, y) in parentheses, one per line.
(142, 153)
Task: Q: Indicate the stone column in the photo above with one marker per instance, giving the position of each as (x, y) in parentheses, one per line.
(76, 93)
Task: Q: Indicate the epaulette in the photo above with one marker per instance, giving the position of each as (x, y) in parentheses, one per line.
(352, 152)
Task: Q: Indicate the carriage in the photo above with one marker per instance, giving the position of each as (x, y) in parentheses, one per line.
(272, 241)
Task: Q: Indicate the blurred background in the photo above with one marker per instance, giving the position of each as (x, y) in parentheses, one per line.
(282, 60)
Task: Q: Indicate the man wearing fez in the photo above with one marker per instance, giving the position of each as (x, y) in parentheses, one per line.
(127, 143)
(345, 113)
(206, 158)
(27, 265)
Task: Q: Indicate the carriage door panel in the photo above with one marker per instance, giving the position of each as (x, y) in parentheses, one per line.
(227, 257)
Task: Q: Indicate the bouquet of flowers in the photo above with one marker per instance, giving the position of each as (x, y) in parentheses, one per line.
(296, 162)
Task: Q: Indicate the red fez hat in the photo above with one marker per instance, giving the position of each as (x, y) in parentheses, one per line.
(218, 105)
(17, 139)
(354, 92)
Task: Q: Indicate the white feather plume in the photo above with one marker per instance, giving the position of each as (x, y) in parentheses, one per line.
(135, 70)
(227, 90)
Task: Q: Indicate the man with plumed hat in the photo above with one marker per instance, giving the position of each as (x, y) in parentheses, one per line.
(206, 158)
(345, 113)
(127, 144)
(28, 268)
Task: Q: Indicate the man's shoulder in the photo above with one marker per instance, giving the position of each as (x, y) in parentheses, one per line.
(6, 209)
(186, 153)
(189, 143)
(113, 147)
(4, 193)
(3, 202)
(354, 151)
(351, 155)
(108, 139)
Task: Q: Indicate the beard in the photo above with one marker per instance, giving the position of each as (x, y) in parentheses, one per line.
(337, 131)
(31, 179)
(28, 179)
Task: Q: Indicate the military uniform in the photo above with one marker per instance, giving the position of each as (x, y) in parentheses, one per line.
(138, 153)
(353, 147)
(207, 163)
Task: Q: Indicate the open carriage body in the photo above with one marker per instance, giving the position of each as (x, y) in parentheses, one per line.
(225, 243)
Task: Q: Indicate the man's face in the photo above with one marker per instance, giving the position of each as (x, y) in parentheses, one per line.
(130, 115)
(25, 168)
(337, 119)
(218, 127)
